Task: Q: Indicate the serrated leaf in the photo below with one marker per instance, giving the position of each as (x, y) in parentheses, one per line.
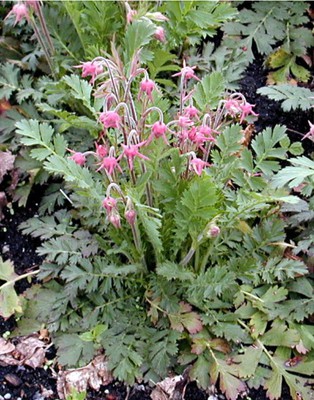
(292, 97)
(137, 35)
(73, 351)
(185, 319)
(209, 91)
(170, 270)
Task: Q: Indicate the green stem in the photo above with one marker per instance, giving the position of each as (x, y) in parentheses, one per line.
(197, 260)
(252, 296)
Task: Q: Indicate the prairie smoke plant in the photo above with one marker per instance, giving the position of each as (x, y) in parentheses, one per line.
(174, 247)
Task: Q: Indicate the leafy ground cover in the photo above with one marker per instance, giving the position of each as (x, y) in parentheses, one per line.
(176, 236)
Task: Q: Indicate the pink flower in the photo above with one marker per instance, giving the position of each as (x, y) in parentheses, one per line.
(310, 133)
(206, 130)
(110, 119)
(147, 86)
(130, 151)
(101, 150)
(109, 203)
(20, 11)
(90, 68)
(232, 106)
(130, 216)
(109, 163)
(184, 122)
(191, 112)
(160, 34)
(187, 73)
(198, 165)
(114, 219)
(159, 129)
(247, 109)
(130, 14)
(214, 231)
(78, 158)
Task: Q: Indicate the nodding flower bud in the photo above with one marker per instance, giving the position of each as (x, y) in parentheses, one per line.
(109, 203)
(114, 219)
(110, 119)
(191, 112)
(213, 231)
(78, 158)
(130, 216)
(101, 150)
(159, 129)
(160, 34)
(90, 68)
(147, 86)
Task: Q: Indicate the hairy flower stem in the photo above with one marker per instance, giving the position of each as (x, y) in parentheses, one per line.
(188, 257)
(45, 29)
(43, 45)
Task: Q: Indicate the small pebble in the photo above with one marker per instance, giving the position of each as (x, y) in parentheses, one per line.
(7, 396)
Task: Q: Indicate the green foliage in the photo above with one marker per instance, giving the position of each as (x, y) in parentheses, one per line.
(209, 91)
(75, 395)
(268, 23)
(292, 97)
(191, 21)
(201, 275)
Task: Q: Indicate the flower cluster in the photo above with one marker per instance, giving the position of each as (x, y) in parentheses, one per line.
(125, 156)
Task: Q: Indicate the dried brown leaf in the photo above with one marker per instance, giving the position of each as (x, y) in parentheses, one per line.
(166, 389)
(5, 346)
(28, 351)
(93, 375)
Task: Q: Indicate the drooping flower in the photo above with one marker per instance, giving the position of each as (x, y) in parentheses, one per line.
(109, 163)
(310, 133)
(101, 150)
(20, 11)
(91, 68)
(147, 86)
(198, 165)
(184, 122)
(233, 107)
(160, 34)
(109, 203)
(130, 151)
(246, 110)
(114, 219)
(130, 216)
(187, 73)
(156, 16)
(159, 129)
(191, 112)
(78, 157)
(110, 119)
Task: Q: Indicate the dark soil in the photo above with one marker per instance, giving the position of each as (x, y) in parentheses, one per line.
(270, 111)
